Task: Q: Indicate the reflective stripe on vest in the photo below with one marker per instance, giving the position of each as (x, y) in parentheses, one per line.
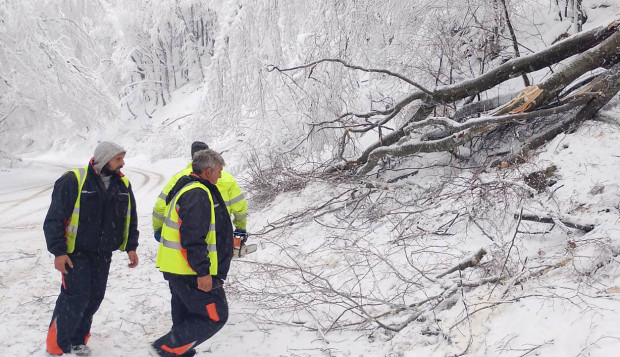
(239, 198)
(160, 203)
(72, 227)
(227, 186)
(171, 257)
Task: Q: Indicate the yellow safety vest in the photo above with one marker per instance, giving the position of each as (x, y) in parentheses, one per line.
(234, 199)
(171, 257)
(72, 227)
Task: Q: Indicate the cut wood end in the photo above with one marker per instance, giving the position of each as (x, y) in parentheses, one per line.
(614, 24)
(525, 99)
(563, 262)
(613, 290)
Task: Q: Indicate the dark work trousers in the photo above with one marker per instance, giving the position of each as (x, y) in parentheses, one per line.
(81, 294)
(196, 316)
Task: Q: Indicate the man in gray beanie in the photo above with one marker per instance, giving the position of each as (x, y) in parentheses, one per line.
(92, 214)
(108, 159)
(104, 152)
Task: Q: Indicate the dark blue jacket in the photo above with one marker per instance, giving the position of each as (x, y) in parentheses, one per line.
(102, 215)
(195, 215)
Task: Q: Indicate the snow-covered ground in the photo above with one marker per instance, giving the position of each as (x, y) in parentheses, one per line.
(570, 310)
(136, 309)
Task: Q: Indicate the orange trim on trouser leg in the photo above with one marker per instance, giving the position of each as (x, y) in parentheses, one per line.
(86, 338)
(179, 350)
(51, 341)
(212, 311)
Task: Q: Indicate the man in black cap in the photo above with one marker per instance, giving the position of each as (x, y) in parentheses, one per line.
(92, 214)
(234, 199)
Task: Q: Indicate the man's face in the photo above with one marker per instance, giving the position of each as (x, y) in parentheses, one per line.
(212, 175)
(116, 163)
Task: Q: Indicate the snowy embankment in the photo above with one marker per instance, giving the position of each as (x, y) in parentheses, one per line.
(370, 257)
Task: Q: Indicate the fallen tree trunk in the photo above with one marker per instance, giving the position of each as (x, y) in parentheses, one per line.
(464, 134)
(607, 85)
(599, 91)
(547, 219)
(451, 93)
(535, 96)
(597, 48)
(560, 51)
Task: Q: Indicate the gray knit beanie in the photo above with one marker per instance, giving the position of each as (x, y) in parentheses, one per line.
(104, 152)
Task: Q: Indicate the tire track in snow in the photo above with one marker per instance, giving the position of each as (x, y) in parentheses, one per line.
(29, 198)
(147, 176)
(22, 189)
(47, 187)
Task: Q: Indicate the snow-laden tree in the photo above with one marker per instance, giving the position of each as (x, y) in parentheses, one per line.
(51, 72)
(426, 40)
(158, 47)
(429, 111)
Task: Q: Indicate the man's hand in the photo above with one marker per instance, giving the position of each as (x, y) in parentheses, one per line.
(205, 283)
(60, 263)
(133, 259)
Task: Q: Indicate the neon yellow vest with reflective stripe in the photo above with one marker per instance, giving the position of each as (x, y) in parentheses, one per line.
(171, 257)
(234, 199)
(72, 227)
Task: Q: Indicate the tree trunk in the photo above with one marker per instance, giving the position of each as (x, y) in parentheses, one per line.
(515, 43)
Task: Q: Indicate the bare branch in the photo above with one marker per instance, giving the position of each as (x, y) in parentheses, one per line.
(468, 262)
(547, 219)
(348, 65)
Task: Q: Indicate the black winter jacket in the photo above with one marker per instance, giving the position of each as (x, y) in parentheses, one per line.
(102, 215)
(195, 215)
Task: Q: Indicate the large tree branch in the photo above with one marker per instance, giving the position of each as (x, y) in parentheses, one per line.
(447, 94)
(513, 68)
(480, 106)
(459, 133)
(414, 147)
(348, 65)
(607, 84)
(535, 96)
(451, 126)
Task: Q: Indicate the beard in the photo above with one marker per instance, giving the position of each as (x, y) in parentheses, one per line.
(105, 171)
